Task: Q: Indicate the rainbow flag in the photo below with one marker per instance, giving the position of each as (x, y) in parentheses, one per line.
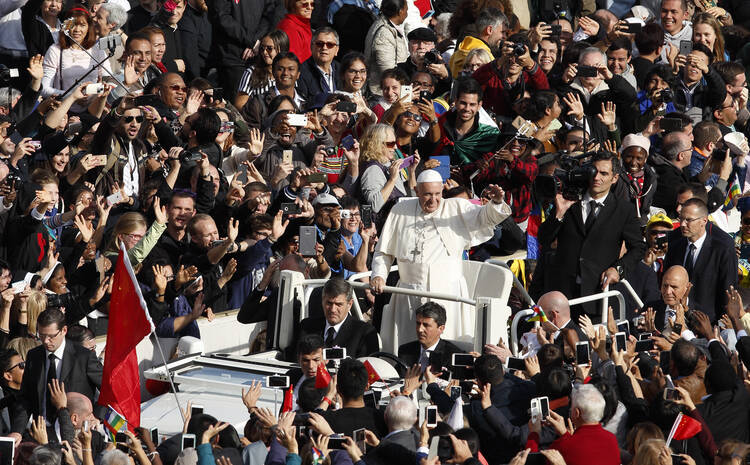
(114, 422)
(538, 315)
(733, 192)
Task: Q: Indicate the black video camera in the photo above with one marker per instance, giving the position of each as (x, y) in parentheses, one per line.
(187, 157)
(665, 96)
(572, 180)
(431, 58)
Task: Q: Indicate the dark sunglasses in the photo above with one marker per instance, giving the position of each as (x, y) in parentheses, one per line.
(414, 116)
(746, 221)
(391, 144)
(322, 44)
(21, 365)
(129, 119)
(177, 88)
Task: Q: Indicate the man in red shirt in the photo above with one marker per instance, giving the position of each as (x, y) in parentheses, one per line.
(589, 439)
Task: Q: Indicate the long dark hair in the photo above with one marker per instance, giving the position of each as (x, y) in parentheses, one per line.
(262, 71)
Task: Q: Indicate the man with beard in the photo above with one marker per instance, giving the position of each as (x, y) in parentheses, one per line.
(195, 35)
(136, 71)
(172, 243)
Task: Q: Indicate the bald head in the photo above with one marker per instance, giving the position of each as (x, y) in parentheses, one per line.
(674, 285)
(79, 407)
(556, 307)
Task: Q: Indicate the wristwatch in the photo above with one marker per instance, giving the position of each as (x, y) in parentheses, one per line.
(620, 271)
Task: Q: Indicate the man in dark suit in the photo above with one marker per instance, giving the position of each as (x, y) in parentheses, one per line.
(675, 285)
(590, 234)
(337, 327)
(429, 348)
(75, 366)
(319, 73)
(399, 446)
(708, 255)
(557, 309)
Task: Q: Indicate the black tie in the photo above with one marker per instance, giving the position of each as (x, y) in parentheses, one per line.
(592, 214)
(690, 259)
(51, 374)
(330, 334)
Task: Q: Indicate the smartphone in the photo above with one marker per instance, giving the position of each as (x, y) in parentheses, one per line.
(462, 372)
(8, 450)
(633, 28)
(556, 30)
(290, 209)
(539, 408)
(644, 346)
(73, 129)
(462, 360)
(587, 72)
(623, 327)
(188, 441)
(408, 161)
(582, 353)
(286, 156)
(114, 198)
(424, 95)
(35, 144)
(155, 435)
(217, 94)
(148, 100)
(241, 174)
(370, 400)
(335, 353)
(455, 392)
(336, 443)
(554, 125)
(99, 160)
(365, 212)
(277, 381)
(358, 436)
(431, 416)
(670, 124)
(661, 240)
(434, 442)
(671, 394)
(347, 142)
(295, 119)
(644, 336)
(621, 341)
(196, 410)
(305, 193)
(316, 178)
(121, 438)
(93, 89)
(515, 363)
(686, 46)
(406, 91)
(307, 241)
(347, 107)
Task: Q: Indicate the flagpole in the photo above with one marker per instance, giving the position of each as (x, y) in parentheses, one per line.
(169, 376)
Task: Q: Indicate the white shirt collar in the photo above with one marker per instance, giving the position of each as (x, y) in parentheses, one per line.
(698, 245)
(336, 327)
(587, 198)
(431, 349)
(59, 352)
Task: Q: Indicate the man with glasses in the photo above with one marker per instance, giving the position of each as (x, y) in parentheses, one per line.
(76, 367)
(319, 73)
(12, 366)
(708, 255)
(724, 113)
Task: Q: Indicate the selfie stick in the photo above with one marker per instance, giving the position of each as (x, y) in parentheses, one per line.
(111, 46)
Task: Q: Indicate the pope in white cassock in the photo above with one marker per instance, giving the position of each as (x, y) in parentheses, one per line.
(426, 237)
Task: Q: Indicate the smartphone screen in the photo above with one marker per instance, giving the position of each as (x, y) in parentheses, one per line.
(644, 336)
(644, 346)
(462, 360)
(336, 353)
(623, 327)
(544, 407)
(277, 381)
(455, 392)
(431, 414)
(515, 363)
(188, 441)
(366, 215)
(155, 436)
(582, 353)
(336, 443)
(620, 341)
(196, 410)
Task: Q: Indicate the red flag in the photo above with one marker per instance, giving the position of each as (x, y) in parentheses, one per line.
(372, 375)
(684, 427)
(322, 377)
(288, 404)
(129, 323)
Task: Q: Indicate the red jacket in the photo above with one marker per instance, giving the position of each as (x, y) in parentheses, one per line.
(589, 444)
(300, 35)
(499, 100)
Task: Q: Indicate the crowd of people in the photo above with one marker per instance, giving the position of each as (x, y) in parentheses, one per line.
(221, 142)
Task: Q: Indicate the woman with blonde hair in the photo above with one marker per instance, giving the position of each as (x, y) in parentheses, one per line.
(656, 452)
(707, 31)
(383, 177)
(22, 345)
(28, 311)
(731, 452)
(130, 229)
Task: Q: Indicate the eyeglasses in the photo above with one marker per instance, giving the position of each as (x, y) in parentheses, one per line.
(21, 365)
(129, 119)
(414, 116)
(390, 144)
(267, 48)
(322, 44)
(178, 88)
(361, 72)
(135, 237)
(689, 220)
(44, 337)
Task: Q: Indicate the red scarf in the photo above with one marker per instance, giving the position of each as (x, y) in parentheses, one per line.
(161, 67)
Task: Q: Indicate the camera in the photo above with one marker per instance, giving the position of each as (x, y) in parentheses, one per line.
(519, 49)
(431, 58)
(555, 9)
(572, 180)
(665, 96)
(345, 214)
(59, 300)
(8, 73)
(187, 156)
(330, 151)
(661, 241)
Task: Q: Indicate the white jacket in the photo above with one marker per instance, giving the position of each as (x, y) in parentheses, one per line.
(385, 47)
